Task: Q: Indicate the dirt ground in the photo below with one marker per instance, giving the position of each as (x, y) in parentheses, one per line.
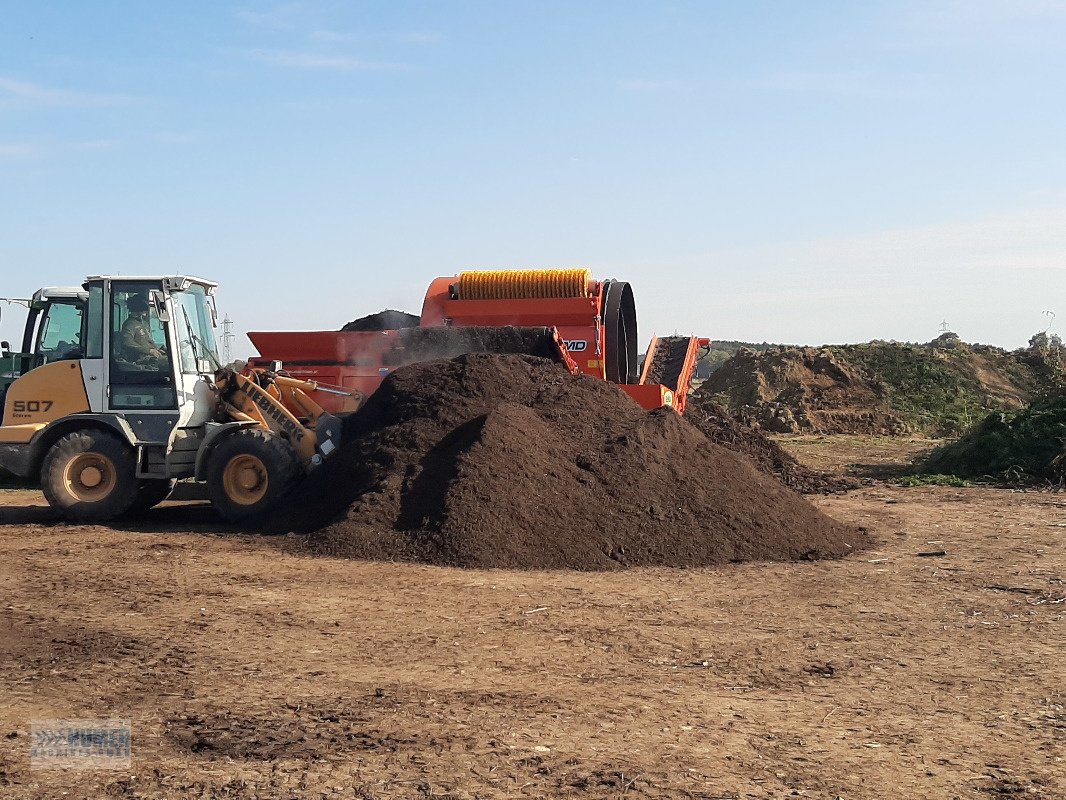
(251, 672)
(879, 457)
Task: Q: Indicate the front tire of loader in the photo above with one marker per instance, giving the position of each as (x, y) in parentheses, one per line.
(249, 471)
(90, 476)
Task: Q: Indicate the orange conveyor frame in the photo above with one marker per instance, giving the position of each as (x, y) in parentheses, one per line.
(596, 321)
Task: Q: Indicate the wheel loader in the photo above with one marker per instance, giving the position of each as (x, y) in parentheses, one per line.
(135, 399)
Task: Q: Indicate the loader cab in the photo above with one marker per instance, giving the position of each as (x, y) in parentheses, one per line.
(151, 341)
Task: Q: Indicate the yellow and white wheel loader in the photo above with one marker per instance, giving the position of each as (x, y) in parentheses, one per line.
(136, 399)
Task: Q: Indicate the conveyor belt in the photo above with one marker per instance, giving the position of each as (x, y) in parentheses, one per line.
(668, 360)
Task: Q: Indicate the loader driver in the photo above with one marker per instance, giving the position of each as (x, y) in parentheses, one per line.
(138, 346)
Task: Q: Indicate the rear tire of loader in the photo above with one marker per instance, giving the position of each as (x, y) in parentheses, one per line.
(90, 476)
(249, 471)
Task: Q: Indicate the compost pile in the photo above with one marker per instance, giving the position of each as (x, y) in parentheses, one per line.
(387, 320)
(432, 344)
(721, 427)
(493, 460)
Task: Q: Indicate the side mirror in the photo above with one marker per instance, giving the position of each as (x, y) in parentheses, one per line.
(159, 301)
(5, 348)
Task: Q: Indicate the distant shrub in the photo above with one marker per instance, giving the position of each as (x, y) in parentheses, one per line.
(1016, 446)
(932, 480)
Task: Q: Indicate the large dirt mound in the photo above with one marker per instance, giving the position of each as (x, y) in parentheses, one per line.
(882, 388)
(791, 389)
(721, 427)
(509, 461)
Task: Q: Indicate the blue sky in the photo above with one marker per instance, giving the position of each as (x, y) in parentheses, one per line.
(801, 172)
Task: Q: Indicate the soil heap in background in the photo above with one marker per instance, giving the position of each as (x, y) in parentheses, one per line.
(719, 426)
(387, 320)
(509, 461)
(792, 389)
(940, 388)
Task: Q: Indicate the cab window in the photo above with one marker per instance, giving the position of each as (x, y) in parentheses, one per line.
(94, 328)
(59, 336)
(140, 371)
(195, 330)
